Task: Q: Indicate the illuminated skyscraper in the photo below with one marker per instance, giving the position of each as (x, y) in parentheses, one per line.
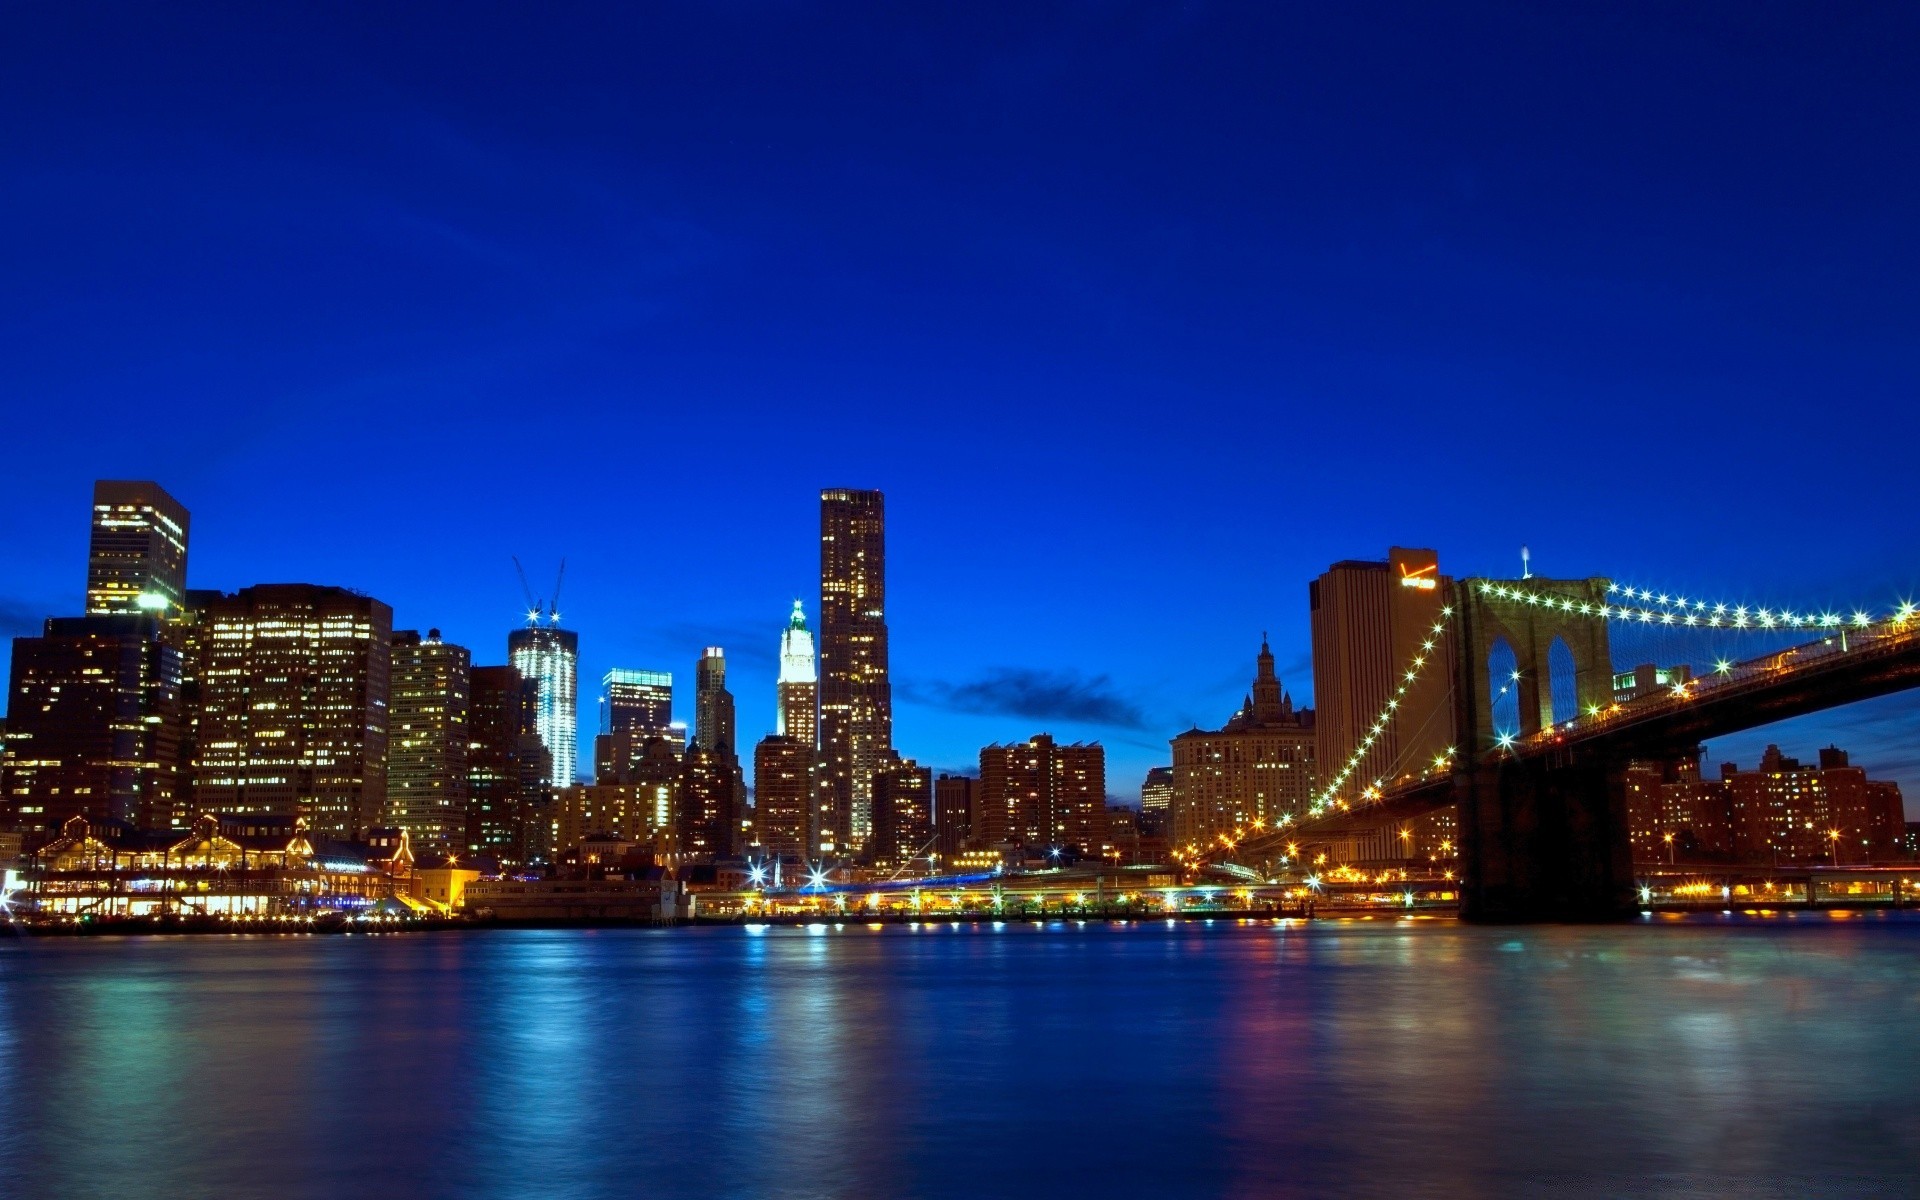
(782, 784)
(799, 686)
(550, 656)
(712, 703)
(636, 707)
(1256, 767)
(856, 699)
(427, 740)
(293, 706)
(137, 555)
(902, 814)
(1040, 794)
(94, 722)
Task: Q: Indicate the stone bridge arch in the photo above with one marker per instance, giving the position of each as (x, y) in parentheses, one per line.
(1530, 630)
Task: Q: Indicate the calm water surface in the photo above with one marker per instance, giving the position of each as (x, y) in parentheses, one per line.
(1411, 1059)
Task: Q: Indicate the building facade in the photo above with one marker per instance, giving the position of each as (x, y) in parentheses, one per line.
(1042, 795)
(1156, 797)
(713, 712)
(293, 706)
(782, 791)
(856, 693)
(428, 740)
(550, 656)
(1257, 766)
(137, 551)
(1370, 621)
(508, 768)
(1783, 812)
(94, 723)
(954, 798)
(711, 822)
(902, 816)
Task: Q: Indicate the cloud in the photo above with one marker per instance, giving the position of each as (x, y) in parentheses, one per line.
(1035, 695)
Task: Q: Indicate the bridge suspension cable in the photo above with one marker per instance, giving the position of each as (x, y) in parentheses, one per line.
(1639, 608)
(1429, 648)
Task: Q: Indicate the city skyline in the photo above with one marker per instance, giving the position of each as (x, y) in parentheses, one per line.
(1288, 317)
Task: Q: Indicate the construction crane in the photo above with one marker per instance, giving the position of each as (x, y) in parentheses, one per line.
(537, 608)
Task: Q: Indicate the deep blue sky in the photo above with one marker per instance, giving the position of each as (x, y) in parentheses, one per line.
(1140, 315)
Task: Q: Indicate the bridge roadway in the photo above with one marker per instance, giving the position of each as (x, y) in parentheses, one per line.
(1843, 667)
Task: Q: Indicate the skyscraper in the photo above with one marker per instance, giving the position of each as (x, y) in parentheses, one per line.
(713, 703)
(1370, 619)
(799, 685)
(293, 706)
(856, 699)
(427, 740)
(550, 656)
(1040, 794)
(94, 722)
(712, 800)
(137, 554)
(902, 814)
(636, 701)
(508, 767)
(954, 799)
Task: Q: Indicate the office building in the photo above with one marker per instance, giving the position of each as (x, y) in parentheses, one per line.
(1042, 795)
(1370, 620)
(137, 554)
(428, 740)
(636, 701)
(1257, 766)
(712, 703)
(550, 656)
(94, 723)
(782, 787)
(508, 767)
(293, 706)
(856, 697)
(798, 690)
(902, 817)
(954, 797)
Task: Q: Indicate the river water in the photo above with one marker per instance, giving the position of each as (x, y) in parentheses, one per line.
(1706, 1056)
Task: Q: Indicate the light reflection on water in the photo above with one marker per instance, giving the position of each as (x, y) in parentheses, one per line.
(1369, 1057)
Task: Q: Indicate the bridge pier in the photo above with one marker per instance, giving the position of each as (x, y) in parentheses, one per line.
(1544, 843)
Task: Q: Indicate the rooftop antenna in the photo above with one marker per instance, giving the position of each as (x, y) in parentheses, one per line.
(1526, 563)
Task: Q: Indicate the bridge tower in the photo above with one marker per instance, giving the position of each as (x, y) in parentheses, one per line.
(1543, 838)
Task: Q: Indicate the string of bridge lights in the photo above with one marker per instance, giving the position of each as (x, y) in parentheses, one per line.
(1680, 612)
(1428, 648)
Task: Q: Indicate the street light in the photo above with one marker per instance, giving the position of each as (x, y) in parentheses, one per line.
(1668, 839)
(1833, 841)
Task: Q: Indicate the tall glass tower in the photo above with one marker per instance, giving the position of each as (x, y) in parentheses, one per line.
(551, 657)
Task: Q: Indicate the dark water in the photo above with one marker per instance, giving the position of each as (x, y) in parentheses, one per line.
(1407, 1059)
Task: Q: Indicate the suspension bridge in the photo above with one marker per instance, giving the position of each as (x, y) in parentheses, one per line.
(1541, 737)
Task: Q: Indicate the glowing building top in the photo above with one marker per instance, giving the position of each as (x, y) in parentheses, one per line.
(797, 691)
(796, 650)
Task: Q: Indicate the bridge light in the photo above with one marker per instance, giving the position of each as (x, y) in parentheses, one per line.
(1904, 612)
(1861, 620)
(1506, 741)
(1723, 667)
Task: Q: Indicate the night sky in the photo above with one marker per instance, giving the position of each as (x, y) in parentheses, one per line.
(1140, 316)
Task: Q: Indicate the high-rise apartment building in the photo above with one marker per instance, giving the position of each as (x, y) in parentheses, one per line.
(712, 800)
(293, 706)
(1257, 766)
(1370, 620)
(550, 656)
(428, 739)
(954, 797)
(713, 717)
(798, 688)
(1156, 797)
(856, 697)
(94, 722)
(508, 767)
(782, 788)
(1785, 811)
(1042, 795)
(902, 815)
(137, 554)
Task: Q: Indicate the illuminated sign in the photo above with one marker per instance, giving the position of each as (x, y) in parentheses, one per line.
(1422, 578)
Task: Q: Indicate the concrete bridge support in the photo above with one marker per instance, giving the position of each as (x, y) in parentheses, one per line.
(1542, 842)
